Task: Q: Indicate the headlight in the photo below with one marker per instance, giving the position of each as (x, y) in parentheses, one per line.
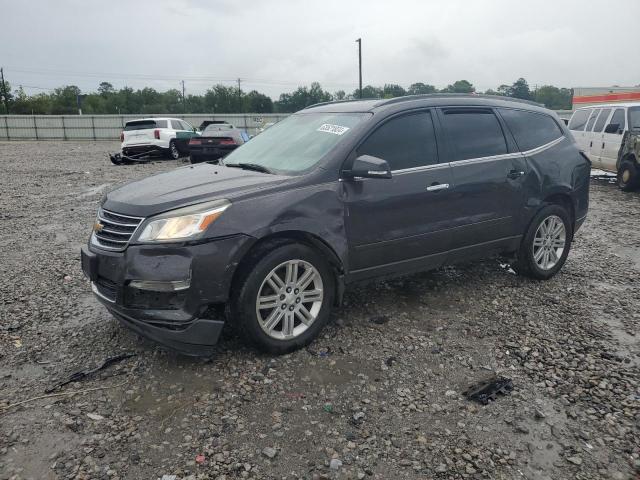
(182, 224)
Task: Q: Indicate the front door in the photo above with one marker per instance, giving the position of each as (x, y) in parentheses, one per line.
(612, 141)
(598, 136)
(487, 175)
(402, 222)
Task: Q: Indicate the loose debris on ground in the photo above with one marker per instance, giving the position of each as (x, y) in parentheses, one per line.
(377, 399)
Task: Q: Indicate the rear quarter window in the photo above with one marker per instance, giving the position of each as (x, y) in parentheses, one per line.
(530, 129)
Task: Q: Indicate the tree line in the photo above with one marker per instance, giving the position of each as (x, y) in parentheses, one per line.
(225, 99)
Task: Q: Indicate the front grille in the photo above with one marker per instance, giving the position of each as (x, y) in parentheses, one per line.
(116, 230)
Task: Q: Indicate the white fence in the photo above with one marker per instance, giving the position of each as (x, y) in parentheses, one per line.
(108, 127)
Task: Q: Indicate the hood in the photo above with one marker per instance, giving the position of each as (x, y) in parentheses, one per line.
(186, 186)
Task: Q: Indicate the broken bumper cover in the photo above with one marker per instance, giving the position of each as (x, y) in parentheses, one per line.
(165, 292)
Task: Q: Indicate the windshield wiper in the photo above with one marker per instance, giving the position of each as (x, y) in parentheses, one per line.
(250, 166)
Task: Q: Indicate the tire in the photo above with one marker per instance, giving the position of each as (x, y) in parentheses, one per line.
(530, 262)
(628, 176)
(276, 326)
(172, 152)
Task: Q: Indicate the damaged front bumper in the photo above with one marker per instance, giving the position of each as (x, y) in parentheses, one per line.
(167, 293)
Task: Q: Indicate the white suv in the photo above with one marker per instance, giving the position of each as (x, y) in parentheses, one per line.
(169, 136)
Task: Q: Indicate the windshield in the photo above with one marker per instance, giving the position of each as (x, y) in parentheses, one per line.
(296, 143)
(634, 117)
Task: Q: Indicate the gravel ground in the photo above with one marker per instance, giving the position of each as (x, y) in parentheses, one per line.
(379, 395)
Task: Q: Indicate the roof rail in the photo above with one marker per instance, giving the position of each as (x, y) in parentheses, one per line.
(340, 101)
(407, 98)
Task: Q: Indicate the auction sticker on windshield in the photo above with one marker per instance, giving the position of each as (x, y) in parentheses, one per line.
(335, 129)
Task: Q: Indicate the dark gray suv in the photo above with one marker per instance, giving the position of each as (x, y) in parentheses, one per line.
(335, 194)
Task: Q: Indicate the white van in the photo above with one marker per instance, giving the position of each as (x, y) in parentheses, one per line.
(600, 130)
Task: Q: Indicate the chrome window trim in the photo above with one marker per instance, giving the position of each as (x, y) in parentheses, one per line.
(433, 166)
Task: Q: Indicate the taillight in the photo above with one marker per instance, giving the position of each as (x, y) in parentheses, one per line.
(227, 141)
(195, 141)
(121, 136)
(156, 134)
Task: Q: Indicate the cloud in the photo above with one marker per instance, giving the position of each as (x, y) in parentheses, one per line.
(276, 45)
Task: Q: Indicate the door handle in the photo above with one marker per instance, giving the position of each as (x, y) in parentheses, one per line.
(436, 187)
(591, 144)
(602, 144)
(513, 174)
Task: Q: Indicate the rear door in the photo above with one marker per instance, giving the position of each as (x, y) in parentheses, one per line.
(597, 135)
(611, 142)
(589, 139)
(402, 223)
(487, 198)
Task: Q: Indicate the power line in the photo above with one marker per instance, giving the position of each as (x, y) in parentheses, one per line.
(192, 78)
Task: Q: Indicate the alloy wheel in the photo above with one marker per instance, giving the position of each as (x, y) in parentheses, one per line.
(549, 242)
(289, 299)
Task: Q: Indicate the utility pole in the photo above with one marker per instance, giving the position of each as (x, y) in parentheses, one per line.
(4, 92)
(183, 104)
(239, 98)
(359, 42)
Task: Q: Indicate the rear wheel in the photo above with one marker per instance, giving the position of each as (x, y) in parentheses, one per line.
(628, 175)
(173, 151)
(284, 299)
(545, 246)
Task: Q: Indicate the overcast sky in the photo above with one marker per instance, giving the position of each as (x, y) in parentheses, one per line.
(276, 45)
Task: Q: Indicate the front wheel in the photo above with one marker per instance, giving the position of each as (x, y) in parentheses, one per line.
(284, 299)
(628, 176)
(546, 244)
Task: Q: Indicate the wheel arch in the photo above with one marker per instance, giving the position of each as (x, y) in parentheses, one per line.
(277, 239)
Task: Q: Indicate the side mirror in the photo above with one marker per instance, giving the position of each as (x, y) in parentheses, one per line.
(612, 128)
(367, 166)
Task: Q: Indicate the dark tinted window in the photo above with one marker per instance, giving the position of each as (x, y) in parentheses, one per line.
(529, 129)
(404, 142)
(579, 119)
(602, 118)
(592, 119)
(474, 133)
(139, 125)
(618, 117)
(634, 117)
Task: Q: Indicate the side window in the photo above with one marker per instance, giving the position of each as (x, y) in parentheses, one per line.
(618, 117)
(186, 126)
(473, 133)
(592, 119)
(161, 123)
(579, 119)
(530, 129)
(175, 124)
(404, 142)
(602, 118)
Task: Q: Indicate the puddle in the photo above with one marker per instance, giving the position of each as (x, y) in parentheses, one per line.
(89, 192)
(34, 458)
(328, 371)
